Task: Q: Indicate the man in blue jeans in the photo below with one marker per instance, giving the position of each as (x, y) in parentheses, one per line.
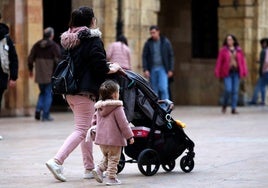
(259, 87)
(158, 62)
(44, 55)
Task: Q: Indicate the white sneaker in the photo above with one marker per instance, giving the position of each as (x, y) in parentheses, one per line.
(88, 174)
(113, 182)
(105, 174)
(55, 169)
(98, 175)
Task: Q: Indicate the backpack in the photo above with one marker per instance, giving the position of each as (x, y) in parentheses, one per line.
(4, 48)
(63, 79)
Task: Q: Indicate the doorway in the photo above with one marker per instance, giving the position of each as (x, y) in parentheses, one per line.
(57, 14)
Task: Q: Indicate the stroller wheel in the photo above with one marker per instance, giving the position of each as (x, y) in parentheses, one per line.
(169, 166)
(121, 163)
(187, 164)
(148, 162)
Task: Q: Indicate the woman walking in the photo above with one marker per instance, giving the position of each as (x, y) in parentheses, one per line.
(120, 52)
(230, 67)
(84, 44)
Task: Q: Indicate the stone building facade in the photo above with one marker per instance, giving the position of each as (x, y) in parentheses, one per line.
(196, 30)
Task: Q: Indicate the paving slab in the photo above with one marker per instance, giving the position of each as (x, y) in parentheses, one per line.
(231, 151)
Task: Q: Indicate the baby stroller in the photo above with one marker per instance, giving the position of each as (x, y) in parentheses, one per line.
(159, 139)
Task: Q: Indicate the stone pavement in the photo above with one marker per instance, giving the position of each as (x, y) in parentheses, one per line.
(231, 151)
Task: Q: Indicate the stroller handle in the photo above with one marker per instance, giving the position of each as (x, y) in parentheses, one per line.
(122, 72)
(169, 104)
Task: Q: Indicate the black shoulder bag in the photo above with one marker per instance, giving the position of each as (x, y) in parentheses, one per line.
(64, 80)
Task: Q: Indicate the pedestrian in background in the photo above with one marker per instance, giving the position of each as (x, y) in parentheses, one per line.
(8, 59)
(265, 71)
(112, 131)
(158, 62)
(44, 56)
(83, 42)
(120, 52)
(259, 87)
(230, 67)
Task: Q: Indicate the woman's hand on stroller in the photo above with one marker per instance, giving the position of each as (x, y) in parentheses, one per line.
(131, 140)
(114, 67)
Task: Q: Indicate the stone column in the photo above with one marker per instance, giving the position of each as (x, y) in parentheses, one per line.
(138, 16)
(32, 25)
(108, 25)
(24, 18)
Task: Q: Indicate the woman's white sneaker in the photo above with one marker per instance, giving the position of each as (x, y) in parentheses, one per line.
(88, 174)
(56, 170)
(98, 175)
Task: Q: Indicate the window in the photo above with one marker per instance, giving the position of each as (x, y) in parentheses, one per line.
(204, 28)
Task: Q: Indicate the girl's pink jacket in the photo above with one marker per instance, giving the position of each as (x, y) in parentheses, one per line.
(112, 127)
(222, 68)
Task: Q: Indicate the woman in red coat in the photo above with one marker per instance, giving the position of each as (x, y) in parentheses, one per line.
(231, 66)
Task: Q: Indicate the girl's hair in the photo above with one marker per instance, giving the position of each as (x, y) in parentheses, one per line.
(122, 39)
(81, 17)
(107, 89)
(234, 39)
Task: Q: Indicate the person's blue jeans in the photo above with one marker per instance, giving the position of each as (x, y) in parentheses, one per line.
(265, 80)
(159, 81)
(260, 87)
(231, 84)
(44, 100)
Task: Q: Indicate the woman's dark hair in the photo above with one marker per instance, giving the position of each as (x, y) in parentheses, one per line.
(81, 17)
(123, 39)
(107, 89)
(234, 39)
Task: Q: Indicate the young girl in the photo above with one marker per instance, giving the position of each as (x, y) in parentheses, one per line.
(112, 131)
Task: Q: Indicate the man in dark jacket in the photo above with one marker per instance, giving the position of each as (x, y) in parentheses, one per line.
(44, 54)
(158, 62)
(9, 77)
(260, 87)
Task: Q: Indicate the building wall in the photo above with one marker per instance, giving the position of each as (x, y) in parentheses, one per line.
(138, 16)
(24, 18)
(194, 82)
(262, 31)
(247, 23)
